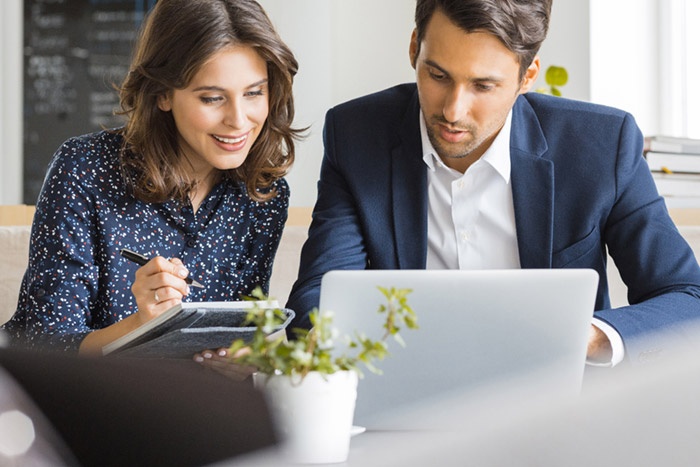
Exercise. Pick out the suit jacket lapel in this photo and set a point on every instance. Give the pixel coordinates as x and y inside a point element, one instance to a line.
<point>533,188</point>
<point>410,193</point>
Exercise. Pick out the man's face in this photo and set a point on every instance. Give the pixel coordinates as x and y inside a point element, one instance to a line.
<point>467,84</point>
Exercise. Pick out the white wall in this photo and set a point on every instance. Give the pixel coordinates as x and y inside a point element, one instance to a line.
<point>350,48</point>
<point>11,101</point>
<point>568,45</point>
<point>345,49</point>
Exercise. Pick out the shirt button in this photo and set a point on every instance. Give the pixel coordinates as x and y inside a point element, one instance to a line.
<point>40,293</point>
<point>191,242</point>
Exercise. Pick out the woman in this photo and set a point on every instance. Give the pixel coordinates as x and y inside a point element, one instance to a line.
<point>195,175</point>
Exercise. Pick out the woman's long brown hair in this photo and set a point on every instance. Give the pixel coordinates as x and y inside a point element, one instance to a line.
<point>177,38</point>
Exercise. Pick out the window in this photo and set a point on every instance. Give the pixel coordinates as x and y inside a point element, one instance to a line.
<point>679,62</point>
<point>645,58</point>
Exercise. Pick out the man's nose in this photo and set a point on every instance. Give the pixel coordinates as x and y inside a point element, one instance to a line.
<point>457,104</point>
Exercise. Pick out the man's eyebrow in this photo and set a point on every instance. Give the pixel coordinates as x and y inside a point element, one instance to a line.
<point>487,79</point>
<point>432,64</point>
<point>220,89</point>
<point>482,79</point>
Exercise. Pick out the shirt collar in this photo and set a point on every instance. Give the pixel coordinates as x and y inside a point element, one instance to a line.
<point>497,155</point>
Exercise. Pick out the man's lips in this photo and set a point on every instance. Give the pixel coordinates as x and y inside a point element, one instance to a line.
<point>452,135</point>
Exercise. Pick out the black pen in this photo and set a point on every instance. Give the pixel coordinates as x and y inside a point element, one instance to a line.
<point>141,260</point>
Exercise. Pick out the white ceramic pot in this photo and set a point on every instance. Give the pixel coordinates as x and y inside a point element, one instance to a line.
<point>314,415</point>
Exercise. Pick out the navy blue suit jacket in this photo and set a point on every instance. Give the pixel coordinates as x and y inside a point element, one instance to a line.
<point>580,185</point>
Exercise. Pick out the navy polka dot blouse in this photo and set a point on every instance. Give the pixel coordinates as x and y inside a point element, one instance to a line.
<point>77,282</point>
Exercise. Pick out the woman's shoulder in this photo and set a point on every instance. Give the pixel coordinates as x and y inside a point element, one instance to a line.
<point>103,140</point>
<point>91,147</point>
<point>281,189</point>
<point>92,158</point>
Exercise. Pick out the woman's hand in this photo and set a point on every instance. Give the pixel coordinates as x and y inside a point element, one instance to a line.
<point>159,285</point>
<point>222,362</point>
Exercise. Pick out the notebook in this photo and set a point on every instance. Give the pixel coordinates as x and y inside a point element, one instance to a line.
<point>476,328</point>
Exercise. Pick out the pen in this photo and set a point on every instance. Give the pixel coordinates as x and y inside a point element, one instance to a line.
<point>141,260</point>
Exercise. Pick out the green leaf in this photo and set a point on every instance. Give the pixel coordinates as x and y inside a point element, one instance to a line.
<point>556,76</point>
<point>311,350</point>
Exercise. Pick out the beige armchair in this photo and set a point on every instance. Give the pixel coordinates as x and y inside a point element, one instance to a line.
<point>14,245</point>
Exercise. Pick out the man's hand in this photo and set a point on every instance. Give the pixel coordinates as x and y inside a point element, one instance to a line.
<point>599,348</point>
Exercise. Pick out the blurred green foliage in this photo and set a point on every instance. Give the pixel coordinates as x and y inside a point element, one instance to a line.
<point>555,77</point>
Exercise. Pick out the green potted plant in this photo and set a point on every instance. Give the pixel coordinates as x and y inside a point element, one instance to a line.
<point>310,388</point>
<point>555,77</point>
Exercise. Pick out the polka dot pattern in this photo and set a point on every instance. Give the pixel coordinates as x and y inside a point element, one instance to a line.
<point>77,282</point>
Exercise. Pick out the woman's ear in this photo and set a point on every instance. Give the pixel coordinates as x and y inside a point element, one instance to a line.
<point>531,75</point>
<point>164,103</point>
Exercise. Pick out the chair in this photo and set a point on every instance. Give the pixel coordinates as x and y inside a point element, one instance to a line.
<point>16,214</point>
<point>15,222</point>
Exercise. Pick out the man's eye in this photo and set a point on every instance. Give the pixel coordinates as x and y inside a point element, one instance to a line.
<point>483,87</point>
<point>436,76</point>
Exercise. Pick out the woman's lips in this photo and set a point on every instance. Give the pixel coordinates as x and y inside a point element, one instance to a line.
<point>231,143</point>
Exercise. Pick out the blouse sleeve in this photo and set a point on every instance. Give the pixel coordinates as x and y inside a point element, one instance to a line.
<point>61,280</point>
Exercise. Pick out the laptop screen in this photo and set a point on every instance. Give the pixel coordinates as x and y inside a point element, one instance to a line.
<point>475,328</point>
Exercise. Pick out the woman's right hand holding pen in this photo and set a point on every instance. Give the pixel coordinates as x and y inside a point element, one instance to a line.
<point>159,285</point>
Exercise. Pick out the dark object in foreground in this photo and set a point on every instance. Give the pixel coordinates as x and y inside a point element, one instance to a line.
<point>118,411</point>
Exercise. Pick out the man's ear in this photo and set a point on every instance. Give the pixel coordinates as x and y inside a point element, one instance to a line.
<point>413,49</point>
<point>531,75</point>
<point>164,103</point>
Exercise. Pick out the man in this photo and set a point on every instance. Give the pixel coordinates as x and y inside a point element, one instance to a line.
<point>466,169</point>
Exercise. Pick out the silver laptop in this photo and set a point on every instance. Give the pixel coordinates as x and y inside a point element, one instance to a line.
<point>476,328</point>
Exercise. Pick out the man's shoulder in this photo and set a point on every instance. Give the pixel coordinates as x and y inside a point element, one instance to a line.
<point>388,100</point>
<point>544,104</point>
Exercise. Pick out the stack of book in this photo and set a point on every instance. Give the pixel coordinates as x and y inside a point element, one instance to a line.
<point>675,165</point>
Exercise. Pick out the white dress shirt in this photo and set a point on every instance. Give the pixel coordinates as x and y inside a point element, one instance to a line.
<point>471,221</point>
<point>471,224</point>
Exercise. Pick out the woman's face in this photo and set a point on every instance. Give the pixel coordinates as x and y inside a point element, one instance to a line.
<point>220,114</point>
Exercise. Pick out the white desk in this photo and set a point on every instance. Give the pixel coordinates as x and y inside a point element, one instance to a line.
<point>648,416</point>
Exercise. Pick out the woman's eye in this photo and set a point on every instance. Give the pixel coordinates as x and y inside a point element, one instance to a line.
<point>256,93</point>
<point>210,100</point>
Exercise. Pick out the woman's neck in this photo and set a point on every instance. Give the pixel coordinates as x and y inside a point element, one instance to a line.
<point>203,188</point>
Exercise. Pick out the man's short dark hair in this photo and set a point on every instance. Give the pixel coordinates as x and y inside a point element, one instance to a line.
<point>521,25</point>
